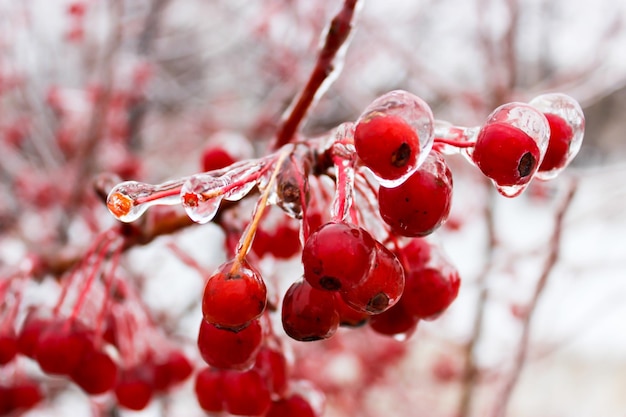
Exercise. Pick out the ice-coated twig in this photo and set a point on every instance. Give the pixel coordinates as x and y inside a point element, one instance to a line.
<point>325,71</point>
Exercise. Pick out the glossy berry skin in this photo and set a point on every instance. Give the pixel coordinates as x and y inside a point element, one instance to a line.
<point>245,393</point>
<point>309,314</point>
<point>419,205</point>
<point>234,295</point>
<point>506,154</point>
<point>387,145</point>
<point>294,406</point>
<point>395,322</point>
<point>382,286</point>
<point>337,256</point>
<point>96,372</point>
<point>209,388</point>
<point>430,291</point>
<point>226,349</point>
<point>23,396</point>
<point>414,255</point>
<point>561,135</point>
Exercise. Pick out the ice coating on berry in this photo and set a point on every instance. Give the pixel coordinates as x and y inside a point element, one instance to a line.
<point>422,203</point>
<point>510,146</point>
<point>393,135</point>
<point>567,127</point>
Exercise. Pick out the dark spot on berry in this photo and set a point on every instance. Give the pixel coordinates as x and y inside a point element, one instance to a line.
<point>355,233</point>
<point>330,283</point>
<point>401,156</point>
<point>526,165</point>
<point>378,303</point>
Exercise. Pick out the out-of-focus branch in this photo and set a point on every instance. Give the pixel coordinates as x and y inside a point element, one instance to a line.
<point>337,35</point>
<point>470,373</point>
<point>502,400</point>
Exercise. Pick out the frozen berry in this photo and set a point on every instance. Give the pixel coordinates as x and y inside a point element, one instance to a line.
<point>561,135</point>
<point>209,388</point>
<point>61,347</point>
<point>337,256</point>
<point>506,154</point>
<point>382,286</point>
<point>134,387</point>
<point>293,406</point>
<point>429,291</point>
<point>245,393</point>
<point>8,346</point>
<point>234,295</point>
<point>309,314</point>
<point>216,158</point>
<point>96,372</point>
<point>396,321</point>
<point>418,206</point>
<point>387,145</point>
<point>227,349</point>
<point>272,365</point>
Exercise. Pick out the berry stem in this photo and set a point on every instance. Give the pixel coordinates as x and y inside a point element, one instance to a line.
<point>108,286</point>
<point>344,188</point>
<point>455,143</point>
<point>337,35</point>
<point>248,235</point>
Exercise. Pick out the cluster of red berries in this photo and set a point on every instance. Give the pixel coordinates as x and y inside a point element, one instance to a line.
<point>365,261</point>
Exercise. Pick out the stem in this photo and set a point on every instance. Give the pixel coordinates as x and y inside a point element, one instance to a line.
<point>455,143</point>
<point>470,373</point>
<point>338,31</point>
<point>522,351</point>
<point>248,237</point>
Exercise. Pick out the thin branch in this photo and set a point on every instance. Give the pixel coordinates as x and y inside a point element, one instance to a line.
<point>470,373</point>
<point>522,351</point>
<point>337,35</point>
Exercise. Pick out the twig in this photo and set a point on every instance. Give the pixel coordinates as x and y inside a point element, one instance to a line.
<point>338,32</point>
<point>522,351</point>
<point>470,373</point>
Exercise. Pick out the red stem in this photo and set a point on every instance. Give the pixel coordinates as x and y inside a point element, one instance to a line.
<point>337,34</point>
<point>455,143</point>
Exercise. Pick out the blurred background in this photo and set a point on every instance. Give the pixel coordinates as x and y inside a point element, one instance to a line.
<point>139,88</point>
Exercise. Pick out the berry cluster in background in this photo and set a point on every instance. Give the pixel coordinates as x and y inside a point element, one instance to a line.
<point>325,217</point>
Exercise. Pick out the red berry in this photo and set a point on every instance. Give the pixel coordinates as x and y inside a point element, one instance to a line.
<point>171,370</point>
<point>25,395</point>
<point>414,255</point>
<point>395,322</point>
<point>337,256</point>
<point>348,316</point>
<point>209,388</point>
<point>227,349</point>
<point>272,365</point>
<point>419,205</point>
<point>294,406</point>
<point>561,135</point>
<point>29,335</point>
<point>245,393</point>
<point>216,158</point>
<point>387,145</point>
<point>96,372</point>
<point>506,154</point>
<point>134,387</point>
<point>234,295</point>
<point>61,347</point>
<point>8,346</point>
<point>309,314</point>
<point>429,291</point>
<point>382,286</point>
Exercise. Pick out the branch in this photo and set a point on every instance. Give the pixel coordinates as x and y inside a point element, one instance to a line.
<point>337,35</point>
<point>522,351</point>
